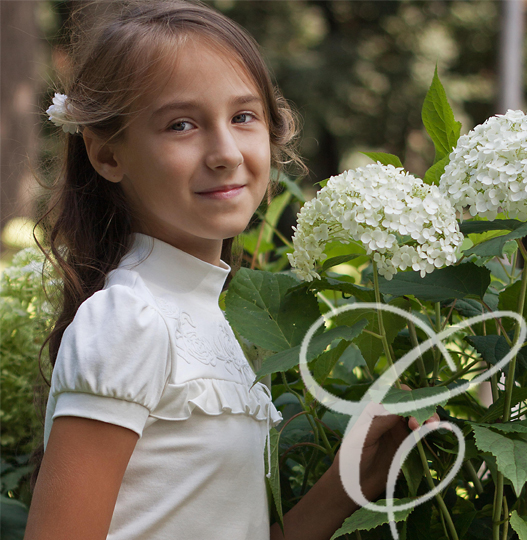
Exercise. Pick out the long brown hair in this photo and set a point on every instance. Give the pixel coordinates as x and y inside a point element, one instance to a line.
<point>114,66</point>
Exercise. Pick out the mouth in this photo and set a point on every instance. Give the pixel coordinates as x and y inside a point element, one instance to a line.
<point>223,192</point>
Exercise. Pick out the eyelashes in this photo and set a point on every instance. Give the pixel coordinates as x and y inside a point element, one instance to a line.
<point>182,126</point>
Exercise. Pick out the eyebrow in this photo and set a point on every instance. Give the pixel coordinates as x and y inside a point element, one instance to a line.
<point>178,105</point>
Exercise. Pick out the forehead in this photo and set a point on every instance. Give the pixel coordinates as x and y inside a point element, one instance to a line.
<point>197,66</point>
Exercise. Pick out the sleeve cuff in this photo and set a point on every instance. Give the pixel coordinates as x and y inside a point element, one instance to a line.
<point>122,413</point>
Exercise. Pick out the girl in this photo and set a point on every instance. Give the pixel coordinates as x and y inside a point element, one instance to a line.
<point>152,429</point>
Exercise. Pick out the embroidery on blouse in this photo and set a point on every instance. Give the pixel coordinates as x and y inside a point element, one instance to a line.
<point>219,347</point>
<point>209,350</point>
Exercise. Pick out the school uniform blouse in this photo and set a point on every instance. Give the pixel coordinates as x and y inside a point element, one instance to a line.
<point>153,352</point>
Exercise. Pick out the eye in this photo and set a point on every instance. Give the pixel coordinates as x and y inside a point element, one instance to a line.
<point>242,118</point>
<point>182,125</point>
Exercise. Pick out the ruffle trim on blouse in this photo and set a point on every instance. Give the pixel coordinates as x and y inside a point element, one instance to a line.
<point>214,397</point>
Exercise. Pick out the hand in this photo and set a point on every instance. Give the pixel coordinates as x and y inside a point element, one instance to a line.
<point>372,443</point>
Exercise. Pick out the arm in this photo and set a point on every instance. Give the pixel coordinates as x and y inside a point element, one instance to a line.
<point>326,505</point>
<point>79,480</point>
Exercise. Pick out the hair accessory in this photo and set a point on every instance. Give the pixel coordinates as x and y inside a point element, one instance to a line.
<point>58,113</point>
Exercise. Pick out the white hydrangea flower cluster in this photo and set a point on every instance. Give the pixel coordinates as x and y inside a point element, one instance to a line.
<point>487,171</point>
<point>59,114</point>
<point>379,206</point>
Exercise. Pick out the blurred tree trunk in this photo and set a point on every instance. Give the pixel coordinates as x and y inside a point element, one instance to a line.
<point>19,112</point>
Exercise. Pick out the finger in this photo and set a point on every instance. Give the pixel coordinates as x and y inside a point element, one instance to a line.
<point>433,419</point>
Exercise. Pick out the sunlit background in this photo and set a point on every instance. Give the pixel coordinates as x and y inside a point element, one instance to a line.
<point>357,72</point>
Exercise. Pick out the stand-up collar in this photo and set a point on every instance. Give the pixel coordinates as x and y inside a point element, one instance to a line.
<point>175,270</point>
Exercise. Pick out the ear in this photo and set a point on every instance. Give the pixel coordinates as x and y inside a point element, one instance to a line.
<point>102,156</point>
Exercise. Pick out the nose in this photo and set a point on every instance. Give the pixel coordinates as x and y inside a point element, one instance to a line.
<point>223,152</point>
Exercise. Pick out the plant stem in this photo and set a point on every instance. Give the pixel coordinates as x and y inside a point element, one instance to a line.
<point>382,331</point>
<point>320,428</point>
<point>459,373</point>
<point>474,476</point>
<point>513,267</point>
<point>506,522</point>
<point>437,352</point>
<point>420,362</point>
<point>438,498</point>
<point>509,385</point>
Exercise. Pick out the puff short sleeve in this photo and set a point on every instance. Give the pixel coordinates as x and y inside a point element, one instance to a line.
<point>113,361</point>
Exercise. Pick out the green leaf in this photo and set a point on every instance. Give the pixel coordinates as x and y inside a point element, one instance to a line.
<point>442,284</point>
<point>384,159</point>
<point>433,174</point>
<point>480,226</point>
<point>439,120</point>
<point>419,521</point>
<point>13,518</point>
<point>463,515</point>
<point>510,453</point>
<point>250,241</point>
<point>325,363</point>
<point>407,396</point>
<point>274,480</point>
<point>508,301</point>
<point>506,427</point>
<point>364,519</point>
<point>290,358</point>
<point>335,261</point>
<point>519,524</point>
<point>273,213</point>
<point>493,348</point>
<point>495,246</point>
<point>413,471</point>
<point>259,307</point>
<point>495,411</point>
<point>370,346</point>
<point>291,186</point>
<point>363,294</point>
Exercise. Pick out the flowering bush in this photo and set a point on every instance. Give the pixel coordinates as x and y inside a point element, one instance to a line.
<point>404,222</point>
<point>488,168</point>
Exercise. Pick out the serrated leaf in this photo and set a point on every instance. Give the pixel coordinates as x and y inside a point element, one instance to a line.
<point>442,284</point>
<point>519,524</point>
<point>495,246</point>
<point>364,519</point>
<point>510,453</point>
<point>274,480</point>
<point>259,306</point>
<point>495,411</point>
<point>506,427</point>
<point>384,159</point>
<point>494,348</point>
<point>439,120</point>
<point>480,226</point>
<point>290,358</point>
<point>433,174</point>
<point>421,414</point>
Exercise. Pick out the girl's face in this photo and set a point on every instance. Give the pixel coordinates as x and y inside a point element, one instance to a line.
<point>195,163</point>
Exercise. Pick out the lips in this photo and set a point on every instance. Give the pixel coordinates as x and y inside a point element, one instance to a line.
<point>220,189</point>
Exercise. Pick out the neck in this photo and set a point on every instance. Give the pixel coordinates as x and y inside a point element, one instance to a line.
<point>208,250</point>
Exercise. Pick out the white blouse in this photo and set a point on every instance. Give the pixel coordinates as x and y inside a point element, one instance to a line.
<point>153,352</point>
